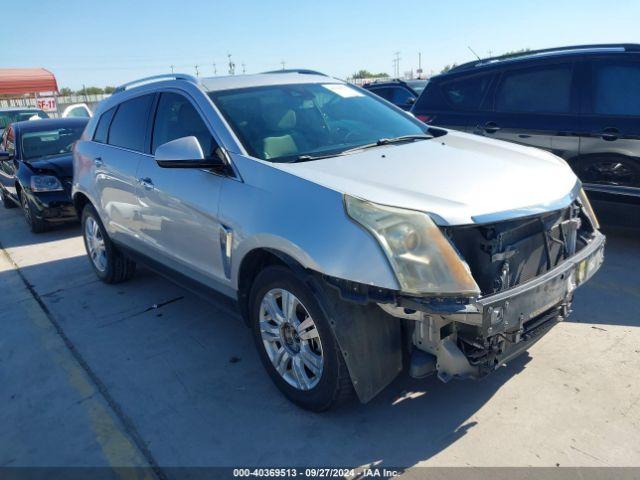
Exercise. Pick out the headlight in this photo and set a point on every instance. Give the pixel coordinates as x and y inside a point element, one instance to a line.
<point>588,209</point>
<point>45,183</point>
<point>422,258</point>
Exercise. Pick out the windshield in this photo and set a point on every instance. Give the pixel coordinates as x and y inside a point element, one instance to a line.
<point>19,115</point>
<point>285,122</point>
<point>50,142</point>
<point>417,85</point>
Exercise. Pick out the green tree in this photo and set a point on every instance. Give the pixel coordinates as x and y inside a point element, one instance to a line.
<point>65,91</point>
<point>90,91</point>
<point>514,52</point>
<point>448,67</point>
<point>368,74</point>
<point>109,89</point>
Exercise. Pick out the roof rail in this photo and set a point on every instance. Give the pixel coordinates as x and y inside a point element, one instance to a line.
<point>156,78</point>
<point>303,71</point>
<point>627,47</point>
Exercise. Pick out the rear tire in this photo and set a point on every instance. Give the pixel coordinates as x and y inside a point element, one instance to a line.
<point>109,263</point>
<point>6,201</point>
<point>35,224</point>
<point>299,349</point>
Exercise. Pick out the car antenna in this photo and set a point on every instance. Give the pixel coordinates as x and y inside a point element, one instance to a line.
<point>474,52</point>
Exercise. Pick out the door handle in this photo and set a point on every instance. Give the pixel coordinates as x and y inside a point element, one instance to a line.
<point>98,161</point>
<point>146,183</point>
<point>610,134</point>
<point>489,127</point>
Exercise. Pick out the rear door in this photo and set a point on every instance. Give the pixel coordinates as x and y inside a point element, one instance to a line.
<point>536,106</point>
<point>609,159</point>
<point>120,144</point>
<point>179,207</point>
<point>459,102</point>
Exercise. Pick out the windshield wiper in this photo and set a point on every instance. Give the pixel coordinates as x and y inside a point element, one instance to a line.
<point>377,143</point>
<point>306,158</point>
<point>389,141</point>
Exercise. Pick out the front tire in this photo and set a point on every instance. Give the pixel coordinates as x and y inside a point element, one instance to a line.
<point>109,263</point>
<point>295,342</point>
<point>35,224</point>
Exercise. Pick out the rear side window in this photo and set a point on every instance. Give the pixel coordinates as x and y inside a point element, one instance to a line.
<point>466,93</point>
<point>616,89</point>
<point>539,90</point>
<point>129,124</point>
<point>401,96</point>
<point>384,92</point>
<point>102,129</point>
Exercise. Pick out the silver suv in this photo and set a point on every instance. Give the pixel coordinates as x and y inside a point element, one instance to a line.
<point>356,240</point>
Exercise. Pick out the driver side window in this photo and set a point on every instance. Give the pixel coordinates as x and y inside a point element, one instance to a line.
<point>175,118</point>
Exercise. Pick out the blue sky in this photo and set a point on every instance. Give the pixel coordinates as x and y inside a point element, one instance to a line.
<point>83,43</point>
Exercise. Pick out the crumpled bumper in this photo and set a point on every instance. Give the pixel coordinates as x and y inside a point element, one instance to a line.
<point>470,340</point>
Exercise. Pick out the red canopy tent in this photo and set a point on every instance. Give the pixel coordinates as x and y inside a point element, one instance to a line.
<point>26,80</point>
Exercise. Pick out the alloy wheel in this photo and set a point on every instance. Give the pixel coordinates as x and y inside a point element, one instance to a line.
<point>95,244</point>
<point>291,339</point>
<point>25,208</point>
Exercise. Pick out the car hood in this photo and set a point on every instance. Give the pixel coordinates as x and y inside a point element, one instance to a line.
<point>457,178</point>
<point>61,165</point>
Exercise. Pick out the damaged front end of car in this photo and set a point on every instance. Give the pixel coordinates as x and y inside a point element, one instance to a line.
<point>516,279</point>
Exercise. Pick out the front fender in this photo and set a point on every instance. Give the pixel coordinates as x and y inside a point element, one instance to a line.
<point>279,211</point>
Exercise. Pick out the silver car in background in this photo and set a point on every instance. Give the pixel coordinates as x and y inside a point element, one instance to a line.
<point>356,240</point>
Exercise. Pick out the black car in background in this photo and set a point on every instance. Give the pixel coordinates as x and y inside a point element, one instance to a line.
<point>36,169</point>
<point>581,103</point>
<point>18,114</point>
<point>402,93</point>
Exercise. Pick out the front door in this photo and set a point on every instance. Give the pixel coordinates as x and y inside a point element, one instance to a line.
<point>8,167</point>
<point>179,207</point>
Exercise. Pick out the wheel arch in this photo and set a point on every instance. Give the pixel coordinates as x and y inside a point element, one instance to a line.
<point>252,263</point>
<point>80,200</point>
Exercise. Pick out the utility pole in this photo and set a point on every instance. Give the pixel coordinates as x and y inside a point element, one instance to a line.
<point>244,70</point>
<point>197,71</point>
<point>282,63</point>
<point>172,68</point>
<point>215,70</point>
<point>419,71</point>
<point>232,66</point>
<point>396,63</point>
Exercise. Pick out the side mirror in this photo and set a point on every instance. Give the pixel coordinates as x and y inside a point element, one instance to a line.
<point>411,100</point>
<point>184,152</point>
<point>5,156</point>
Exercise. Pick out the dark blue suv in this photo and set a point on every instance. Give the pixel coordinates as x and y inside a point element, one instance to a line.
<point>402,93</point>
<point>582,103</point>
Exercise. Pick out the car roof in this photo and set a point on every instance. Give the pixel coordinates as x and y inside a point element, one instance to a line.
<point>19,109</point>
<point>384,83</point>
<point>541,55</point>
<point>231,82</point>
<point>44,123</point>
